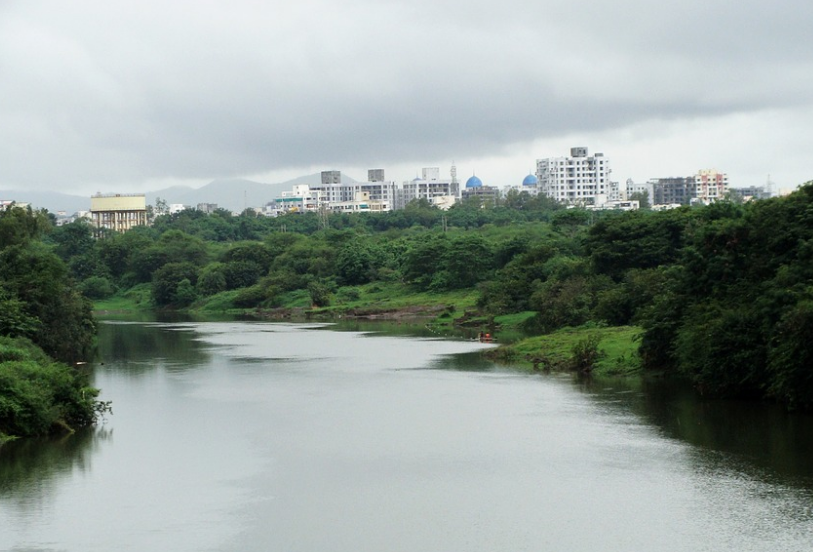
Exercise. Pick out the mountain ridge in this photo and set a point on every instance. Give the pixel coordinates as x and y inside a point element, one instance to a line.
<point>234,194</point>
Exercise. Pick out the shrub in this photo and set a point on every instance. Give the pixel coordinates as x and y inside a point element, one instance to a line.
<point>585,353</point>
<point>250,297</point>
<point>97,287</point>
<point>37,395</point>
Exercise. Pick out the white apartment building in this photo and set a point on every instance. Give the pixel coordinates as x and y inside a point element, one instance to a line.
<point>362,203</point>
<point>647,188</point>
<point>431,187</point>
<point>580,179</point>
<point>377,190</point>
<point>299,200</point>
<point>377,195</point>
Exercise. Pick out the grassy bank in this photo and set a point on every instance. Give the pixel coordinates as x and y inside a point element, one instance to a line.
<point>137,298</point>
<point>616,350</point>
<point>375,300</point>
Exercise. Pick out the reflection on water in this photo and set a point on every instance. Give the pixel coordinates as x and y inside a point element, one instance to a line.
<point>757,436</point>
<point>139,346</point>
<point>372,436</point>
<point>31,468</point>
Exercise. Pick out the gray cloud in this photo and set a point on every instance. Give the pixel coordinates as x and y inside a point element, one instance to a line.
<point>109,93</point>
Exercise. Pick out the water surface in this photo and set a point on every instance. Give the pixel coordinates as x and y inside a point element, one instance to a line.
<point>256,436</point>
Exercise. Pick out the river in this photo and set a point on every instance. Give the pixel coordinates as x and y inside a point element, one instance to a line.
<point>283,437</point>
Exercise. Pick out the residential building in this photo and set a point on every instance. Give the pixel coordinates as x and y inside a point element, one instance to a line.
<point>710,185</point>
<point>175,208</point>
<point>362,203</point>
<point>299,200</point>
<point>429,186</point>
<point>672,190</point>
<point>7,203</point>
<point>620,205</point>
<point>334,191</point>
<point>751,192</point>
<point>119,212</point>
<point>579,179</point>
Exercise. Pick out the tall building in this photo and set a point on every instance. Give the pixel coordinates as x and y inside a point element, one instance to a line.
<point>119,212</point>
<point>710,185</point>
<point>578,179</point>
<point>672,190</point>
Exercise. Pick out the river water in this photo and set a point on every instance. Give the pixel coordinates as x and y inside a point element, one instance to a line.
<point>280,437</point>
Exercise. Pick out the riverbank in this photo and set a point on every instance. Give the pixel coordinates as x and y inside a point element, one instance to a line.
<point>39,397</point>
<point>601,351</point>
<point>609,351</point>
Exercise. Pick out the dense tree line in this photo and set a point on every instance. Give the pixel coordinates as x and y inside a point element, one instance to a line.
<point>43,316</point>
<point>722,293</point>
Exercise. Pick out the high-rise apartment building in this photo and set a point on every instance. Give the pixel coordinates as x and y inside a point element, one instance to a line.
<point>578,179</point>
<point>710,185</point>
<point>673,190</point>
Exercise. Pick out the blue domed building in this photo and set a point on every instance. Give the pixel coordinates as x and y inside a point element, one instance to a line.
<point>474,182</point>
<point>530,180</point>
<point>476,188</point>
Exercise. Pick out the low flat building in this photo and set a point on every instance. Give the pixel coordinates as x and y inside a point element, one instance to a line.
<point>302,199</point>
<point>362,203</point>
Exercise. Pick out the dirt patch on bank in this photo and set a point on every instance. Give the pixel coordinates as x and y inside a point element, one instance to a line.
<point>370,313</point>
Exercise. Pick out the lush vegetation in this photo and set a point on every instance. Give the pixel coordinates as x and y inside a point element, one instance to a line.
<point>43,316</point>
<point>39,396</point>
<point>720,295</point>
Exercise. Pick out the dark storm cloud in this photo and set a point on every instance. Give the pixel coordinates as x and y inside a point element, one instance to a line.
<point>117,92</point>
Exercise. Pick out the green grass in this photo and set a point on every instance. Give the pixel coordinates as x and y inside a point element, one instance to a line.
<point>618,347</point>
<point>136,298</point>
<point>380,297</point>
<point>514,320</point>
<point>221,302</point>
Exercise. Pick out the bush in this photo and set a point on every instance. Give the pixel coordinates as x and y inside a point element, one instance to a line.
<point>97,287</point>
<point>319,293</point>
<point>250,297</point>
<point>585,353</point>
<point>39,396</point>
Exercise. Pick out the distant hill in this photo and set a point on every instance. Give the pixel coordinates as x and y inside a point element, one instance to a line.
<point>53,201</point>
<point>234,195</point>
<point>231,194</point>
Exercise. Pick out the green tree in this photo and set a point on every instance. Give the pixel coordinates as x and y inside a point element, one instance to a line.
<point>423,260</point>
<point>39,279</point>
<point>20,225</point>
<point>468,260</point>
<point>354,264</point>
<point>168,278</point>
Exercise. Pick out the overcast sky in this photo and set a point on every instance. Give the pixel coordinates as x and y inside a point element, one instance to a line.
<point>118,96</point>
